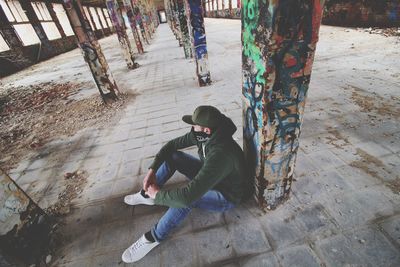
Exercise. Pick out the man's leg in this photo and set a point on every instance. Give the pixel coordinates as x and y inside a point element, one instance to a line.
<point>181,162</point>
<point>212,201</point>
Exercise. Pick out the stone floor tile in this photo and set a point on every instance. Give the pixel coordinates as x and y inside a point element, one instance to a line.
<point>298,256</point>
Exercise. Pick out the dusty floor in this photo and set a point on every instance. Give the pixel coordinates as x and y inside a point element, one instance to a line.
<point>345,206</point>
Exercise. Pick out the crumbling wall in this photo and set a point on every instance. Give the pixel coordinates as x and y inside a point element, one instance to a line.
<point>362,13</point>
<point>25,229</point>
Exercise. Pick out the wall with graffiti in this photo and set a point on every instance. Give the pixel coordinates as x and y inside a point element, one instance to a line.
<point>362,13</point>
<point>278,45</point>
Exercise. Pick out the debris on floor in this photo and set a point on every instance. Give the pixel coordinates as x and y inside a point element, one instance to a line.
<point>31,116</point>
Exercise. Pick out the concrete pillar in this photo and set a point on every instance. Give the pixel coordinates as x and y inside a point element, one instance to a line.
<point>91,50</point>
<point>278,44</point>
<point>230,9</point>
<point>199,41</point>
<point>183,22</point>
<point>119,25</point>
<point>139,20</point>
<point>25,229</point>
<point>132,21</point>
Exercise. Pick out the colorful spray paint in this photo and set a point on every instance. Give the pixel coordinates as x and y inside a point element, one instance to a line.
<point>278,44</point>
<point>91,49</point>
<point>119,25</point>
<point>132,22</point>
<point>199,41</point>
<point>183,22</point>
<point>139,20</point>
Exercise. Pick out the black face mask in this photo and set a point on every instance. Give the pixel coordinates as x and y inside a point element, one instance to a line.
<point>201,136</point>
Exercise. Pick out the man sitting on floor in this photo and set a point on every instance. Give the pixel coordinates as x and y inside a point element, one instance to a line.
<point>218,180</point>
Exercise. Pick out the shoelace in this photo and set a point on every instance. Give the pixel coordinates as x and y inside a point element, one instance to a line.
<point>137,245</point>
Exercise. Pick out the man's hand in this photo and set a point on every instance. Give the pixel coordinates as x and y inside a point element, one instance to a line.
<point>152,191</point>
<point>150,179</point>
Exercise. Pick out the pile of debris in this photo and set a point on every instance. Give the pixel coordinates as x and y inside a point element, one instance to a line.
<point>394,31</point>
<point>74,184</point>
<point>31,116</point>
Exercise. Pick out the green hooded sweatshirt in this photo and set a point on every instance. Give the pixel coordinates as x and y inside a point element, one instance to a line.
<point>223,168</point>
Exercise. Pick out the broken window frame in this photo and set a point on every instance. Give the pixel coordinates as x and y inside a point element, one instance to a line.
<point>62,17</point>
<point>19,22</point>
<point>101,17</point>
<point>45,19</point>
<point>87,14</point>
<point>107,17</point>
<point>95,17</point>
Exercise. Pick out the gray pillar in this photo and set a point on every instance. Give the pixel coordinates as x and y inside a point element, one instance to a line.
<point>199,41</point>
<point>119,25</point>
<point>278,44</point>
<point>91,49</point>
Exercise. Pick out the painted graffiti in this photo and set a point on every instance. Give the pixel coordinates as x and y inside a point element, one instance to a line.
<point>187,47</point>
<point>91,50</point>
<point>132,21</point>
<point>119,25</point>
<point>278,45</point>
<point>199,41</point>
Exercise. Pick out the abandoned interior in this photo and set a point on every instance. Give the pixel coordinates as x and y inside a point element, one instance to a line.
<point>91,90</point>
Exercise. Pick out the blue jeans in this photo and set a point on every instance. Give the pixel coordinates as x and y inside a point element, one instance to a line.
<point>189,166</point>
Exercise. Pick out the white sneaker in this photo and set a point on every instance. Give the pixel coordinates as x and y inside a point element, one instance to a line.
<point>137,199</point>
<point>138,250</point>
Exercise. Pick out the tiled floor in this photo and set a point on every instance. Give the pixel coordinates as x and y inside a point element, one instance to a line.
<point>342,210</point>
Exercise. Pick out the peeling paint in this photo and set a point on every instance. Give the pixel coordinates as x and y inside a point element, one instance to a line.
<point>91,50</point>
<point>278,44</point>
<point>119,26</point>
<point>199,42</point>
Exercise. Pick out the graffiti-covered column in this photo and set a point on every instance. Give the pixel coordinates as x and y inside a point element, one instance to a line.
<point>132,21</point>
<point>139,20</point>
<point>92,53</point>
<point>199,41</point>
<point>183,22</point>
<point>119,25</point>
<point>278,45</point>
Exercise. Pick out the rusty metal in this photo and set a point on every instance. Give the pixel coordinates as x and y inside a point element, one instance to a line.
<point>91,50</point>
<point>278,44</point>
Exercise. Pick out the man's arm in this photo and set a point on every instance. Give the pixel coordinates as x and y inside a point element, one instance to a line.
<point>183,141</point>
<point>213,171</point>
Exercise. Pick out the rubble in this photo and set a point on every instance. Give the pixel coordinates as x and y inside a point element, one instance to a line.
<point>31,116</point>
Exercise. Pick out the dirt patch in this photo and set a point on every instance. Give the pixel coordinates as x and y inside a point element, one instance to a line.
<point>74,184</point>
<point>337,139</point>
<point>374,103</point>
<point>375,167</point>
<point>31,116</point>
